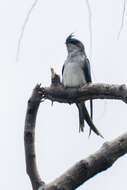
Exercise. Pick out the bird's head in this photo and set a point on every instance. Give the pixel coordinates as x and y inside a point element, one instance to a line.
<point>73,44</point>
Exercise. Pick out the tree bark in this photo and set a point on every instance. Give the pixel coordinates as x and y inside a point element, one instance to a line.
<point>89,167</point>
<point>29,138</point>
<point>86,92</point>
<point>86,168</point>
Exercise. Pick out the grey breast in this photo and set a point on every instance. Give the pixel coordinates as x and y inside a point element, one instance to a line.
<point>73,74</point>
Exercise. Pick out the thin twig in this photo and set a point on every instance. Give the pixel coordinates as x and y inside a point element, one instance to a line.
<point>90,33</point>
<point>23,29</point>
<point>123,18</point>
<point>90,27</point>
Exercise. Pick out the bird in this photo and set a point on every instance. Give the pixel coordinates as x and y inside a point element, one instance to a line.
<point>55,79</point>
<point>76,72</point>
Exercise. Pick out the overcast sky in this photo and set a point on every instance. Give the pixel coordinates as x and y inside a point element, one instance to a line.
<point>58,143</point>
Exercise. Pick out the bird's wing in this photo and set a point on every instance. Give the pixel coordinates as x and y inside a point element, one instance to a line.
<point>63,68</point>
<point>87,72</point>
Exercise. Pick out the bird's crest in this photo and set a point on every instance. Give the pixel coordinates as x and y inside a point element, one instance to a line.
<point>71,40</point>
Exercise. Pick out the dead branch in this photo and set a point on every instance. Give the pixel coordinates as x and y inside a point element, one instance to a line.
<point>86,168</point>
<point>89,167</point>
<point>87,92</point>
<point>29,138</point>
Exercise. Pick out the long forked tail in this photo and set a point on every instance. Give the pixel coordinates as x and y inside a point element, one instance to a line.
<point>83,114</point>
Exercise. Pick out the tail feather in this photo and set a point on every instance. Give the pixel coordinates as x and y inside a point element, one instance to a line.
<point>91,114</point>
<point>81,118</point>
<point>90,122</point>
<point>84,115</point>
<point>91,109</point>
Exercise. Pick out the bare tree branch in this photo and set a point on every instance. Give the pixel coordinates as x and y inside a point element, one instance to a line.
<point>87,92</point>
<point>86,168</point>
<point>29,138</point>
<point>89,167</point>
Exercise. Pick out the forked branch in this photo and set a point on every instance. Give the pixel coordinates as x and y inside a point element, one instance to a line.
<point>86,168</point>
